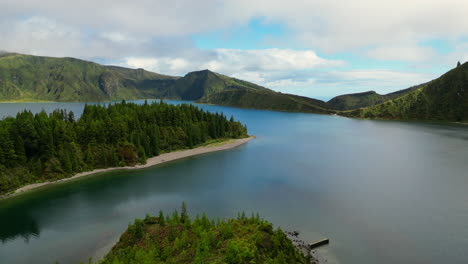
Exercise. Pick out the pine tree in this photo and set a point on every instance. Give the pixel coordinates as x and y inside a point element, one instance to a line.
<point>458,64</point>
<point>161,219</point>
<point>114,135</point>
<point>183,213</point>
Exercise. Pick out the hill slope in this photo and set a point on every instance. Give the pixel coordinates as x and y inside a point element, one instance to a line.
<point>365,99</point>
<point>32,78</point>
<point>445,98</point>
<point>198,84</point>
<point>29,78</point>
<point>213,88</point>
<point>268,100</point>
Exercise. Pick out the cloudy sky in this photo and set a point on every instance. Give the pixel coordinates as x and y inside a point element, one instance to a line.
<point>317,48</point>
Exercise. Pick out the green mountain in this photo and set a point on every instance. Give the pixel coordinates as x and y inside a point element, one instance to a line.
<point>31,78</point>
<point>445,98</point>
<point>365,99</point>
<point>266,99</point>
<point>214,88</point>
<point>199,84</point>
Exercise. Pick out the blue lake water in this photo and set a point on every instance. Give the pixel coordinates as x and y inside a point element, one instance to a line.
<point>382,191</point>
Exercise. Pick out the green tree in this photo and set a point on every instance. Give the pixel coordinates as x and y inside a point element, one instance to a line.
<point>183,213</point>
<point>53,146</point>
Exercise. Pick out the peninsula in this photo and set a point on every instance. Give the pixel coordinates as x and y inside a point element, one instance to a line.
<point>40,149</point>
<point>150,162</point>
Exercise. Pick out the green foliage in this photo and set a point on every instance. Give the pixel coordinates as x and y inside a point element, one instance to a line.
<point>30,78</point>
<point>249,240</point>
<point>240,251</point>
<point>41,147</point>
<point>359,100</point>
<point>266,99</point>
<point>161,220</point>
<point>445,99</point>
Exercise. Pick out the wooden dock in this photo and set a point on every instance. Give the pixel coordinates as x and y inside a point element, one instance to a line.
<point>319,243</point>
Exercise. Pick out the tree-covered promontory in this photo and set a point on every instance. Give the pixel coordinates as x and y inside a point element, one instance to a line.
<point>177,238</point>
<point>44,147</point>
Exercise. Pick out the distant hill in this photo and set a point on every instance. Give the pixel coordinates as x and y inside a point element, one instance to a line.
<point>36,78</point>
<point>32,78</point>
<point>365,99</point>
<point>266,99</point>
<point>199,84</point>
<point>445,98</point>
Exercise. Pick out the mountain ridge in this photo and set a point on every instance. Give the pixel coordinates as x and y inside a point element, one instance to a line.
<point>39,78</point>
<point>364,99</point>
<point>31,78</point>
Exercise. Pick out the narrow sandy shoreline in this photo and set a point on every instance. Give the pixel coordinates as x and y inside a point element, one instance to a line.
<point>166,157</point>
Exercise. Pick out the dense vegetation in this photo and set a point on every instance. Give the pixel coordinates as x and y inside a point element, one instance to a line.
<point>32,78</point>
<point>365,99</point>
<point>445,99</point>
<point>178,239</point>
<point>200,84</point>
<point>41,147</point>
<point>267,99</point>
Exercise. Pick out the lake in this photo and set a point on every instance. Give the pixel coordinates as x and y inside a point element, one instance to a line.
<point>382,191</point>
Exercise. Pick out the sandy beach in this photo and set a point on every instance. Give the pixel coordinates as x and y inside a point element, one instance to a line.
<point>166,157</point>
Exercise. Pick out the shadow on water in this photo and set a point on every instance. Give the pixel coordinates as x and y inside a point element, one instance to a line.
<point>19,214</point>
<point>18,224</point>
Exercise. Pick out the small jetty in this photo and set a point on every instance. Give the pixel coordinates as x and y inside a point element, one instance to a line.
<point>319,243</point>
<point>306,248</point>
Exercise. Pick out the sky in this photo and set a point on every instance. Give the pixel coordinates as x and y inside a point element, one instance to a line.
<point>315,48</point>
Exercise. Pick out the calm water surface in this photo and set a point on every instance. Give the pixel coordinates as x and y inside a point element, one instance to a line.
<point>383,192</point>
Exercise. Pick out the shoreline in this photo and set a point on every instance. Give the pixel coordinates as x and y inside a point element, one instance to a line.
<point>150,162</point>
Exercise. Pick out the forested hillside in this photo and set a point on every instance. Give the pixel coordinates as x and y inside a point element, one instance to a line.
<point>365,99</point>
<point>268,100</point>
<point>42,147</point>
<point>177,238</point>
<point>36,78</point>
<point>444,99</point>
<point>33,78</point>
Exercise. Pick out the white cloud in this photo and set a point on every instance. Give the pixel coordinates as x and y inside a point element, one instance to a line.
<point>175,66</point>
<point>409,53</point>
<point>343,25</point>
<point>325,85</point>
<point>233,61</point>
<point>158,18</point>
<point>156,35</point>
<point>289,71</point>
<point>328,25</point>
<point>37,35</point>
<point>115,36</point>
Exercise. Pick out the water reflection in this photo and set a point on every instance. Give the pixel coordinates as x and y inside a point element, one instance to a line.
<point>18,223</point>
